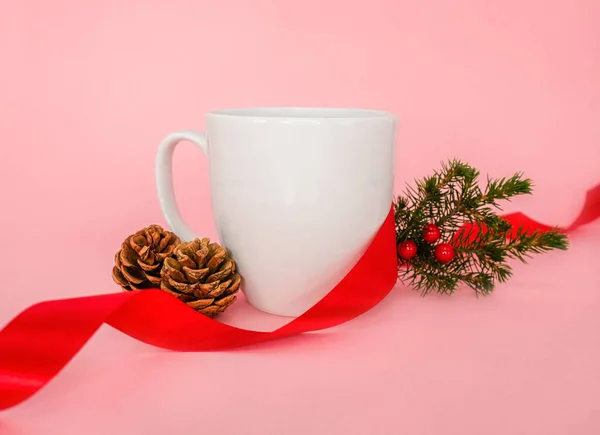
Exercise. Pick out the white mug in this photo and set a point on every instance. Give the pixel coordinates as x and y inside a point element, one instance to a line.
<point>297,195</point>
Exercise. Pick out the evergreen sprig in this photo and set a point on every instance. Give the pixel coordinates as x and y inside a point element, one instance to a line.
<point>453,199</point>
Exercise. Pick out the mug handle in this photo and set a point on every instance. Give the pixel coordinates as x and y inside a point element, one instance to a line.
<point>164,179</point>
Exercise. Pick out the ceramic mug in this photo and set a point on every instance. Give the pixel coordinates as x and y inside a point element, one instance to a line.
<point>297,195</point>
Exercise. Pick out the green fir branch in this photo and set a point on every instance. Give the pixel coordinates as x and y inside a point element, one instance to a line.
<point>466,215</point>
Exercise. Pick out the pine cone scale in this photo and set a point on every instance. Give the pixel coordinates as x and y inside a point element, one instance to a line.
<point>200,303</point>
<point>118,277</point>
<point>128,257</point>
<point>143,251</point>
<point>148,267</point>
<point>155,236</point>
<point>179,286</point>
<point>201,255</point>
<point>172,269</point>
<point>139,242</point>
<point>154,280</point>
<point>220,289</point>
<point>181,296</point>
<point>204,290</point>
<point>212,310</point>
<point>133,276</point>
<point>216,260</point>
<point>194,275</point>
<point>225,271</point>
<point>163,243</point>
<point>236,281</point>
<point>227,300</point>
<point>186,261</point>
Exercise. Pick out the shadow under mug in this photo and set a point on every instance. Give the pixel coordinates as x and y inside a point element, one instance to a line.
<point>297,195</point>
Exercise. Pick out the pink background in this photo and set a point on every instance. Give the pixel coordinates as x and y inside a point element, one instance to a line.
<point>88,89</point>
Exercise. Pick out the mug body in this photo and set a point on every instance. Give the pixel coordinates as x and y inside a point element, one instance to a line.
<point>297,195</point>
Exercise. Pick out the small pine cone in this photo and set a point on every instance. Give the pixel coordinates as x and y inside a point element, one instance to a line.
<point>203,275</point>
<point>140,259</point>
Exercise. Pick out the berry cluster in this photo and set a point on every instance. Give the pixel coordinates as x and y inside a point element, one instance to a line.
<point>444,252</point>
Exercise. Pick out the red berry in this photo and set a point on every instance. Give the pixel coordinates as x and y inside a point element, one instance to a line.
<point>407,249</point>
<point>444,253</point>
<point>431,233</point>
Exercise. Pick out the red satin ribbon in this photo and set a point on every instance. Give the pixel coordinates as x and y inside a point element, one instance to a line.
<point>41,340</point>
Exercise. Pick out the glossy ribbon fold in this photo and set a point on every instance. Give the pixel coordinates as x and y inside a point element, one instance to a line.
<point>42,339</point>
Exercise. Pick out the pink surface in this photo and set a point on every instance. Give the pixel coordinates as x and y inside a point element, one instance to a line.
<point>87,91</point>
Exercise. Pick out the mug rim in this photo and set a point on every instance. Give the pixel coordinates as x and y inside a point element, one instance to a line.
<point>302,112</point>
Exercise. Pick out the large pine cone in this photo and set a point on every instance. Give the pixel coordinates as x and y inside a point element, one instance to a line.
<point>139,261</point>
<point>203,275</point>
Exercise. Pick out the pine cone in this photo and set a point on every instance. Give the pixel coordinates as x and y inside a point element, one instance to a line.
<point>140,259</point>
<point>203,275</point>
